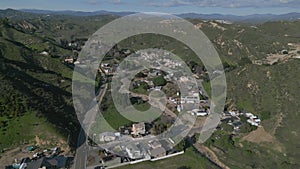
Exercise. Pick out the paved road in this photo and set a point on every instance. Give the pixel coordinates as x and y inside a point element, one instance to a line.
<point>82,145</point>
<point>81,152</point>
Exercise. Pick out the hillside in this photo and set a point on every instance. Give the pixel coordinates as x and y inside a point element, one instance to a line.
<point>35,89</point>
<point>37,97</point>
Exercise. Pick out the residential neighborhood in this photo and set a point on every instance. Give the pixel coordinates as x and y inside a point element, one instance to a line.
<point>42,159</point>
<point>93,84</point>
<point>137,142</point>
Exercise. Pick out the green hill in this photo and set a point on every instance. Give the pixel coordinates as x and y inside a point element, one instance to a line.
<point>36,89</point>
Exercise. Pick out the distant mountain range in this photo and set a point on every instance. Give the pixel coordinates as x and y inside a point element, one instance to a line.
<point>255,18</point>
<point>76,13</point>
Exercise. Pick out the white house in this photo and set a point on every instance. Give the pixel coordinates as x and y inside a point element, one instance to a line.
<point>44,53</point>
<point>197,112</point>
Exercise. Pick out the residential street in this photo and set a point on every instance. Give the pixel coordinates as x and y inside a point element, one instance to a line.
<point>82,150</point>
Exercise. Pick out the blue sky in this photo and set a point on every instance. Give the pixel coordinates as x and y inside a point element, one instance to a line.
<point>237,7</point>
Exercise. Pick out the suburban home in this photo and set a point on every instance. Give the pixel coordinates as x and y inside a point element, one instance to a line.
<point>57,162</point>
<point>236,125</point>
<point>138,129</point>
<point>157,152</point>
<point>199,112</point>
<point>107,137</point>
<point>69,60</point>
<point>44,53</point>
<point>190,99</point>
<point>133,151</point>
<point>154,144</point>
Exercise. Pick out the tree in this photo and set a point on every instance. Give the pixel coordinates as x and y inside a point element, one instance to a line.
<point>159,81</point>
<point>5,22</point>
<point>140,75</point>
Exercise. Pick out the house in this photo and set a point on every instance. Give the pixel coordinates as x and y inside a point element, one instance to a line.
<point>44,53</point>
<point>69,60</point>
<point>232,113</point>
<point>172,100</point>
<point>58,162</point>
<point>108,68</point>
<point>252,119</point>
<point>157,152</point>
<point>179,107</point>
<point>191,99</point>
<point>154,144</point>
<point>198,112</point>
<point>36,164</point>
<point>125,51</point>
<point>124,130</point>
<point>236,125</point>
<point>253,123</point>
<point>138,129</point>
<point>76,62</point>
<point>107,137</point>
<point>133,151</point>
<point>284,52</point>
<point>257,120</point>
<point>154,73</point>
<point>157,88</point>
<point>248,114</point>
<point>226,115</point>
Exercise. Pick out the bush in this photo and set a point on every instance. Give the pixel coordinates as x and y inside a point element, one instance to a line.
<point>246,128</point>
<point>159,81</point>
<point>265,115</point>
<point>245,61</point>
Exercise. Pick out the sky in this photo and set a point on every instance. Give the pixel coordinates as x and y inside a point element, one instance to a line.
<point>236,7</point>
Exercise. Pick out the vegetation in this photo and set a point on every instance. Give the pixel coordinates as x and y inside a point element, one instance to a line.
<point>36,89</point>
<point>141,88</point>
<point>159,81</point>
<point>111,114</point>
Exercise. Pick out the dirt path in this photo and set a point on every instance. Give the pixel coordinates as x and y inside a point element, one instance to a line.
<point>279,118</point>
<point>210,155</point>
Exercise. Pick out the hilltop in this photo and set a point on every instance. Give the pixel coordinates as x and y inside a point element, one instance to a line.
<point>250,19</point>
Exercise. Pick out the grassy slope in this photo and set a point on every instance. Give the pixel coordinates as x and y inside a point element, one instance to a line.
<point>32,94</point>
<point>276,94</point>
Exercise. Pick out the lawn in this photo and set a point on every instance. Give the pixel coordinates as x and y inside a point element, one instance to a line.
<point>142,107</point>
<point>207,87</point>
<point>111,114</point>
